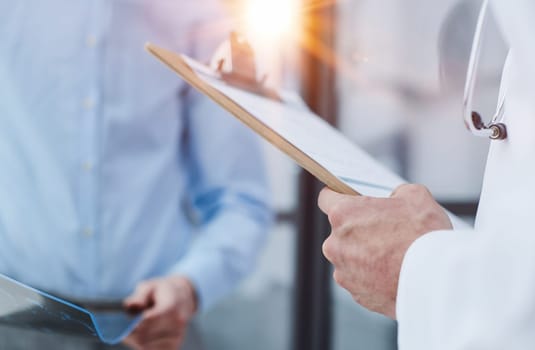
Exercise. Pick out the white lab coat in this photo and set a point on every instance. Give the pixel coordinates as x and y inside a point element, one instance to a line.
<point>475,289</point>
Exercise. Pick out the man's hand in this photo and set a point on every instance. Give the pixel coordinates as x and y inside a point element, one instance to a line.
<point>168,305</point>
<point>370,237</point>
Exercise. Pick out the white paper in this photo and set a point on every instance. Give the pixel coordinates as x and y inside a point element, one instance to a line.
<point>312,135</point>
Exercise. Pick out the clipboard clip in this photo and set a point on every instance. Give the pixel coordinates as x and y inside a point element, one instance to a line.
<point>238,68</point>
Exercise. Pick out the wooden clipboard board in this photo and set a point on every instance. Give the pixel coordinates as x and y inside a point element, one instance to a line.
<point>179,65</point>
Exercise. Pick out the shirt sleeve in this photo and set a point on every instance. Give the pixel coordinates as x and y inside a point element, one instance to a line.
<point>465,290</point>
<point>229,193</point>
<point>228,188</point>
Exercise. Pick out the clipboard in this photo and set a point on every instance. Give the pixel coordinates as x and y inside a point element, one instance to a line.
<point>287,124</point>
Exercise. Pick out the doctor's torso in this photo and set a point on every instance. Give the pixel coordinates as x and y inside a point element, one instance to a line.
<point>471,289</point>
<point>507,202</point>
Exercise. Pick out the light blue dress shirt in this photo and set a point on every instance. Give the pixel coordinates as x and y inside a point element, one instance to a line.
<point>103,150</point>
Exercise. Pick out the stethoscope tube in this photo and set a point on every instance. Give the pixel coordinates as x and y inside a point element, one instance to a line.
<point>495,130</point>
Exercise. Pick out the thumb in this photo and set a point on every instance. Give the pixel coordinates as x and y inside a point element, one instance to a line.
<point>329,199</point>
<point>411,191</point>
<point>142,298</point>
<point>163,301</point>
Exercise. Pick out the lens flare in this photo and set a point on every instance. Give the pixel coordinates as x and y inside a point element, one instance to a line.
<point>271,19</point>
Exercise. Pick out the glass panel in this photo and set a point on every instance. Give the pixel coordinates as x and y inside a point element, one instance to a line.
<point>24,307</point>
<point>260,314</point>
<point>357,328</point>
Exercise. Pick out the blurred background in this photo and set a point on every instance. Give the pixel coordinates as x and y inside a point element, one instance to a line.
<point>390,75</point>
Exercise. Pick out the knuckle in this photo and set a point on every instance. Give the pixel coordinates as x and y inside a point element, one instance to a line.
<point>338,215</point>
<point>424,193</point>
<point>337,277</point>
<point>403,188</point>
<point>365,201</point>
<point>418,195</point>
<point>329,249</point>
<point>435,218</point>
<point>143,286</point>
<point>430,216</point>
<point>357,298</point>
<point>414,188</point>
<point>178,319</point>
<point>321,197</point>
<point>410,189</point>
<point>335,216</point>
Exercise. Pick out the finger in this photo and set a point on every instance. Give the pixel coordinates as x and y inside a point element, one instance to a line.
<point>132,342</point>
<point>350,281</point>
<point>336,251</point>
<point>164,301</point>
<point>138,341</point>
<point>410,190</point>
<point>331,249</point>
<point>328,199</point>
<point>166,326</point>
<point>172,343</point>
<point>141,298</point>
<point>163,317</point>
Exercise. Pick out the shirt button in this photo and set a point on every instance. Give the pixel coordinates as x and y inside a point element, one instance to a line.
<point>91,41</point>
<point>88,232</point>
<point>89,103</point>
<point>88,166</point>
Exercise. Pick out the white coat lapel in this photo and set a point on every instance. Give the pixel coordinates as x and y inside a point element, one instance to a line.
<point>510,174</point>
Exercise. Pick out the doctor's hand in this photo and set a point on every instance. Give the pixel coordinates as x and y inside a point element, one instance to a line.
<point>370,237</point>
<point>168,304</point>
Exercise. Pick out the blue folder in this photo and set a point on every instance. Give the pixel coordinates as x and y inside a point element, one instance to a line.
<point>25,307</point>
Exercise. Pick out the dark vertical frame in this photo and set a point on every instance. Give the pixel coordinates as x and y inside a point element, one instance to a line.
<point>313,301</point>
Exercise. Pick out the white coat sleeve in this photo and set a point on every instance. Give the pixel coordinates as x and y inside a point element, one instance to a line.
<point>468,290</point>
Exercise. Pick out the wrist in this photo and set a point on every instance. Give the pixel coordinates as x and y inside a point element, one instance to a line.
<point>185,288</point>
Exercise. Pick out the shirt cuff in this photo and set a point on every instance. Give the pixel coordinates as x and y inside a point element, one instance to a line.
<point>223,254</point>
<point>210,281</point>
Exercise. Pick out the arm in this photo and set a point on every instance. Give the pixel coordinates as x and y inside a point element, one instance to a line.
<point>228,190</point>
<point>228,187</point>
<point>370,237</point>
<point>468,290</point>
<point>229,193</point>
<point>454,290</point>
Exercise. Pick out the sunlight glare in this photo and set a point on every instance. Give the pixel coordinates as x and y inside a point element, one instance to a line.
<point>271,19</point>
